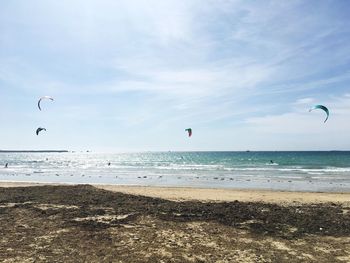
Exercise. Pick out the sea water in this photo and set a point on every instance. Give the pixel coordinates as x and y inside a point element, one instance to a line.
<point>292,171</point>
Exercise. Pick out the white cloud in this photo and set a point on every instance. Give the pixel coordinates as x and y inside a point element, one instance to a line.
<point>307,101</point>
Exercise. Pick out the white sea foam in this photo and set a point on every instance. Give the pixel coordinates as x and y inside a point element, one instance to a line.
<point>194,169</point>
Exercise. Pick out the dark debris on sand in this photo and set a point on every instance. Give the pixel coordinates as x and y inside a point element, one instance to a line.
<point>86,224</point>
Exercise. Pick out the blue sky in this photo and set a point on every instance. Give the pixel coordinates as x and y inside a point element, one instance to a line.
<point>132,75</point>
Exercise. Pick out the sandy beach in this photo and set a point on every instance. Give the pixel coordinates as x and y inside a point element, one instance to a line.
<point>85,223</point>
<point>214,195</point>
<point>229,195</point>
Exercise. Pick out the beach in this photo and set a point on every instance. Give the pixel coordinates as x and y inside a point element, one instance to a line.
<point>175,131</point>
<point>109,223</point>
<point>230,195</point>
<point>214,194</point>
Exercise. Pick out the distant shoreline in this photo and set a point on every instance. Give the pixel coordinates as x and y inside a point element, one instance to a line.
<point>179,151</point>
<point>33,151</point>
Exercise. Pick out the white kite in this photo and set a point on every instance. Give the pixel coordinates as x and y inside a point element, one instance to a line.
<point>44,98</point>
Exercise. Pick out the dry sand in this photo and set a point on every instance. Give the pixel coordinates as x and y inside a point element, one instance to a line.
<point>214,195</point>
<point>229,195</point>
<point>83,223</point>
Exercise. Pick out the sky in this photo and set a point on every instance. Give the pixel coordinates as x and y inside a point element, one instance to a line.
<point>132,75</point>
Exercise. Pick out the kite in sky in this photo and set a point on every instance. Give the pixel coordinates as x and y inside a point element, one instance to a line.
<point>43,98</point>
<point>189,130</point>
<point>39,130</point>
<point>321,107</point>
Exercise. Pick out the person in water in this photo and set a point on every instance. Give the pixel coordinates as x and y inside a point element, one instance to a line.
<point>271,162</point>
<point>109,163</point>
<point>6,165</point>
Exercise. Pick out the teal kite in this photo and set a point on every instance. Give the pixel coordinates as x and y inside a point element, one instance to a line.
<point>321,107</point>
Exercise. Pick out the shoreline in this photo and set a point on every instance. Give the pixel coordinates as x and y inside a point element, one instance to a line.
<point>210,194</point>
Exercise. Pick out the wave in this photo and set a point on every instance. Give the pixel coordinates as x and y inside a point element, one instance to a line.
<point>203,167</point>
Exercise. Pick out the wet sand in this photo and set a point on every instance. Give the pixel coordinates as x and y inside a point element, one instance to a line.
<point>83,223</point>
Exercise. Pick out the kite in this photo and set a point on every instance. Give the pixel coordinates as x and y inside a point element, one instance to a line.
<point>39,130</point>
<point>42,98</point>
<point>189,130</point>
<point>321,107</point>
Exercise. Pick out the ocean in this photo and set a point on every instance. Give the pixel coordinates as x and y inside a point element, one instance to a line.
<point>286,171</point>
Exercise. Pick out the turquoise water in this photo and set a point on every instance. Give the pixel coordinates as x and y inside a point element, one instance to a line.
<point>295,171</point>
